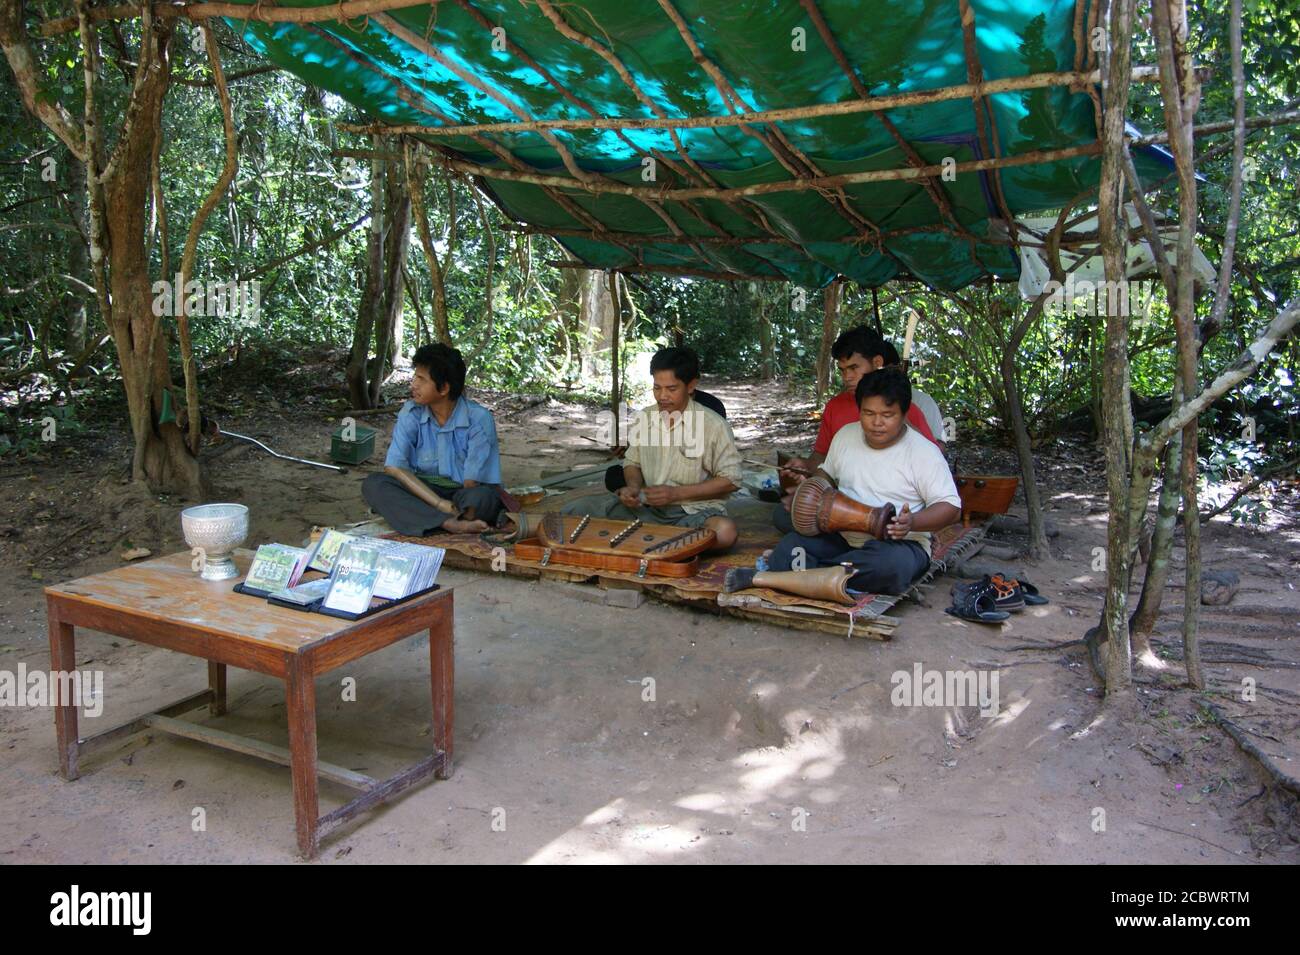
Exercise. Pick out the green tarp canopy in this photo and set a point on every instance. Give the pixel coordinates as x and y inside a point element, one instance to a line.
<point>464,62</point>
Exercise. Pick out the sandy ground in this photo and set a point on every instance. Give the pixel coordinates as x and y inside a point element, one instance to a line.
<point>761,744</point>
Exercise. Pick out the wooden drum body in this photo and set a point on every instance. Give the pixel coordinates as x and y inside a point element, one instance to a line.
<point>818,508</point>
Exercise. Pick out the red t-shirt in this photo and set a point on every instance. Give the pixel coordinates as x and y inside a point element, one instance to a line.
<point>843,409</point>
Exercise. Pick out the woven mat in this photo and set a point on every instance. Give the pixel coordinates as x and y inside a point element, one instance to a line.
<point>757,534</point>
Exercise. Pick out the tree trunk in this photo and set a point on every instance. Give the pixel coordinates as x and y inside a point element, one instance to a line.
<point>117,201</point>
<point>766,339</point>
<point>1181,93</point>
<point>75,311</point>
<point>416,168</point>
<point>1162,543</point>
<point>595,319</point>
<point>390,314</point>
<point>1116,408</point>
<point>830,322</point>
<point>372,293</point>
<point>1039,548</point>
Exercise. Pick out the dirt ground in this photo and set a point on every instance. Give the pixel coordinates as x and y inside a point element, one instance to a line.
<point>762,744</point>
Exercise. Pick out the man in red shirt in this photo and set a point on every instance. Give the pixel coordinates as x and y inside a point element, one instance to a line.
<point>857,352</point>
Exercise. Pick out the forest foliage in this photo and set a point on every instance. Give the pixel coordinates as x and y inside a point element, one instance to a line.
<point>297,190</point>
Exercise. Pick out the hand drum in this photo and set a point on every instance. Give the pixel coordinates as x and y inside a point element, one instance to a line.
<point>818,508</point>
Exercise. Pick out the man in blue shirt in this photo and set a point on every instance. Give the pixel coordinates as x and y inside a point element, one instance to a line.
<point>443,470</point>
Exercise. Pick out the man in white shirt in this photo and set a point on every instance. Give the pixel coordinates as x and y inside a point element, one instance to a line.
<point>882,462</point>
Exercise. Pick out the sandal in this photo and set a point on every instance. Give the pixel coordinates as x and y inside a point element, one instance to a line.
<point>1032,596</point>
<point>1006,592</point>
<point>977,606</point>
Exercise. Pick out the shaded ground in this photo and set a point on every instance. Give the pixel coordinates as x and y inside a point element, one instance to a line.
<point>761,743</point>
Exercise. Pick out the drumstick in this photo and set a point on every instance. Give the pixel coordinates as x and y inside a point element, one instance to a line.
<point>779,467</point>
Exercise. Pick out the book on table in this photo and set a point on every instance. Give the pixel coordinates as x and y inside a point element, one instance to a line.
<point>359,570</point>
<point>354,578</point>
<point>276,567</point>
<point>327,550</point>
<point>304,595</point>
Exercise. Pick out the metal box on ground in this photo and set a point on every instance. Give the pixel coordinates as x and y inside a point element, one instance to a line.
<point>356,451</point>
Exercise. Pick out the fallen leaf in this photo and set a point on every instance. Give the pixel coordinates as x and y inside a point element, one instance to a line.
<point>135,553</point>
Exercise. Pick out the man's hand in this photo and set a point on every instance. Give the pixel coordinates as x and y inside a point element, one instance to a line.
<point>803,464</point>
<point>901,525</point>
<point>660,495</point>
<point>629,496</point>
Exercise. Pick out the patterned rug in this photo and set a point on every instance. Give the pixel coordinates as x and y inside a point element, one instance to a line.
<point>757,534</point>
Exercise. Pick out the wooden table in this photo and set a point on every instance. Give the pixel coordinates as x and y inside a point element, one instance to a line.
<point>165,603</point>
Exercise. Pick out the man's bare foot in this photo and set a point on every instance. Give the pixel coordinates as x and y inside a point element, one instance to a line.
<point>457,526</point>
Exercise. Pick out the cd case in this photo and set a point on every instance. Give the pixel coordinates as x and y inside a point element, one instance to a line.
<point>377,603</point>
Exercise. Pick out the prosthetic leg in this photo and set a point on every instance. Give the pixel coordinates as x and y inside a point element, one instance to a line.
<point>825,583</point>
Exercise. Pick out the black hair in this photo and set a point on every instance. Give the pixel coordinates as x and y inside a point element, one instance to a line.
<point>889,353</point>
<point>444,365</point>
<point>682,362</point>
<point>858,340</point>
<point>888,383</point>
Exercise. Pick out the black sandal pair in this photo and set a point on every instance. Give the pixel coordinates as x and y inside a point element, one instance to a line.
<point>993,598</point>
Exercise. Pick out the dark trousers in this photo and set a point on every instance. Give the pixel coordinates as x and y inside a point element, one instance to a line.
<point>781,519</point>
<point>409,515</point>
<point>883,567</point>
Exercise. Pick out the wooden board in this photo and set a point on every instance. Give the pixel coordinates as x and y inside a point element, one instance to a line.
<point>879,628</point>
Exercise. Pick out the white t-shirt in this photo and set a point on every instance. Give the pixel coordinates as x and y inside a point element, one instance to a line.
<point>930,411</point>
<point>910,471</point>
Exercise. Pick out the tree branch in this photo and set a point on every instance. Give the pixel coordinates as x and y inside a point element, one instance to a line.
<point>1229,378</point>
<point>347,10</point>
<point>18,51</point>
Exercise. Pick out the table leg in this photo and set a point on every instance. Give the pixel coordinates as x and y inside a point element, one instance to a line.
<point>441,669</point>
<point>217,683</point>
<point>301,703</point>
<point>63,659</point>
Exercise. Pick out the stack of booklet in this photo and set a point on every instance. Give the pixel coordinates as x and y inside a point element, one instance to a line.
<point>361,568</point>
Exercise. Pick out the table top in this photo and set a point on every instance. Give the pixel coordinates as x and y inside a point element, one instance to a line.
<point>168,589</point>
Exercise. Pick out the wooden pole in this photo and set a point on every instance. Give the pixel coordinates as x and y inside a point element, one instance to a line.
<point>612,281</point>
<point>814,183</point>
<point>876,104</point>
<point>830,320</point>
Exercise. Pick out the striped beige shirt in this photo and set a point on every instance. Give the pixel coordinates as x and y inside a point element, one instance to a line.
<point>678,450</point>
